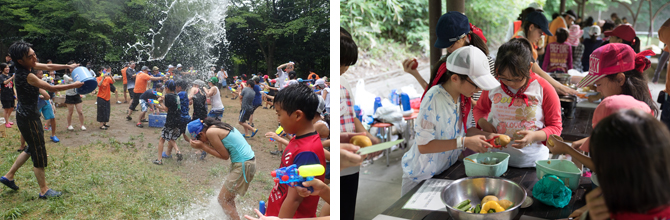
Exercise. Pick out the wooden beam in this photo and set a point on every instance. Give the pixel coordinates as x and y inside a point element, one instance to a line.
<point>434,13</point>
<point>562,9</point>
<point>457,5</point>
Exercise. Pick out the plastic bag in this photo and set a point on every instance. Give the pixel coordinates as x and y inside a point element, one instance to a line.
<point>552,191</point>
<point>365,99</point>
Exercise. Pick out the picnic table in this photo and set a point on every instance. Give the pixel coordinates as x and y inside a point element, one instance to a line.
<point>579,126</point>
<point>525,177</point>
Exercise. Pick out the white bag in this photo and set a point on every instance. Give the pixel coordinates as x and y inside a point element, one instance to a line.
<point>364,99</point>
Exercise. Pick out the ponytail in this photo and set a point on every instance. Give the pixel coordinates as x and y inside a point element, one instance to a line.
<point>635,44</point>
<point>478,42</point>
<point>209,122</point>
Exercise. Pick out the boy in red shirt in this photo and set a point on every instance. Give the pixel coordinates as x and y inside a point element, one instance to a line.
<point>296,107</point>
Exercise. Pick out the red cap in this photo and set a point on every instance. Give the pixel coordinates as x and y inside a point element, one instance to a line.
<point>609,59</point>
<point>625,32</point>
<point>265,77</point>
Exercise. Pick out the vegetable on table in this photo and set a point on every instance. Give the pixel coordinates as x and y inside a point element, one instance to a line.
<point>491,205</point>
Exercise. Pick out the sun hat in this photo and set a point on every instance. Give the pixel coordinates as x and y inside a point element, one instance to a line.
<point>609,59</point>
<point>213,80</point>
<point>611,105</point>
<point>155,68</point>
<point>575,34</point>
<point>540,20</point>
<point>471,61</point>
<point>571,13</point>
<point>625,32</point>
<point>451,27</point>
<point>194,128</point>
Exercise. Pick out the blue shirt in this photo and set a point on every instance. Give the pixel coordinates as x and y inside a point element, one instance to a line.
<point>183,99</point>
<point>257,96</point>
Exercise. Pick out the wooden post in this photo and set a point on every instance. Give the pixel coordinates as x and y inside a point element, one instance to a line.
<point>434,13</point>
<point>457,5</point>
<point>562,9</point>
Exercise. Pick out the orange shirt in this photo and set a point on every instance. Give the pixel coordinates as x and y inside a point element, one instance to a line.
<point>123,72</point>
<point>141,81</point>
<point>103,88</point>
<point>312,75</point>
<point>559,22</point>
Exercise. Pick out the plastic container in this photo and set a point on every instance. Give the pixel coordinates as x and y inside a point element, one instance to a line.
<point>564,169</point>
<point>478,169</point>
<point>81,74</point>
<point>378,103</point>
<point>157,121</point>
<point>261,207</point>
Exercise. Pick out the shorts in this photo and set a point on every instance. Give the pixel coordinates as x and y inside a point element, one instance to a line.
<point>34,135</point>
<point>244,115</point>
<point>170,134</point>
<point>216,114</point>
<point>144,105</point>
<point>125,87</point>
<point>235,180</point>
<point>47,112</point>
<point>224,83</point>
<point>131,91</point>
<point>72,99</point>
<point>7,104</point>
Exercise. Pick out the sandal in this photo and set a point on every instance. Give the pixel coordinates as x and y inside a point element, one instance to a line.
<point>158,162</point>
<point>254,134</point>
<point>9,183</point>
<point>106,125</point>
<point>103,128</point>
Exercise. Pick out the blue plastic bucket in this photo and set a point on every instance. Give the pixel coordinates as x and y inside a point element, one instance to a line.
<point>81,74</point>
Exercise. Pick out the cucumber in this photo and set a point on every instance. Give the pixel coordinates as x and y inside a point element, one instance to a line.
<point>462,204</point>
<point>465,208</point>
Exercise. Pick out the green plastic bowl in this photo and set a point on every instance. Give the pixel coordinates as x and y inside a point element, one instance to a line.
<point>478,169</point>
<point>564,169</point>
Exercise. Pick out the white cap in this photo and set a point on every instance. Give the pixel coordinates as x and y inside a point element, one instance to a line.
<point>594,30</point>
<point>536,6</point>
<point>170,66</point>
<point>471,61</point>
<point>320,82</point>
<point>178,65</point>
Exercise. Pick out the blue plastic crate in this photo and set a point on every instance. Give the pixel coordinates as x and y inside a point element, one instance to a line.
<point>157,121</point>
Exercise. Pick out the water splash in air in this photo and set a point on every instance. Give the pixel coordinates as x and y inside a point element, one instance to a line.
<point>197,25</point>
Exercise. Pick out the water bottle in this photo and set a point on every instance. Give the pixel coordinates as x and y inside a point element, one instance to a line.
<point>394,97</point>
<point>378,103</point>
<point>357,110</point>
<point>261,207</point>
<point>404,99</point>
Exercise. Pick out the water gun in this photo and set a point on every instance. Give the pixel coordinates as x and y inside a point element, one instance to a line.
<point>231,89</point>
<point>261,207</point>
<point>279,132</point>
<point>295,174</point>
<point>60,81</point>
<point>158,93</point>
<point>153,101</point>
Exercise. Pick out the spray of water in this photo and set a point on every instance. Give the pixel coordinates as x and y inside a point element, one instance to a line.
<point>196,25</point>
<point>211,209</point>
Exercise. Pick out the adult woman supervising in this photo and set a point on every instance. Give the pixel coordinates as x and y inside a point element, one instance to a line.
<point>535,24</point>
<point>224,141</point>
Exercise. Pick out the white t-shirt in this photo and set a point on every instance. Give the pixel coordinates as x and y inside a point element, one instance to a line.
<point>327,100</point>
<point>216,100</point>
<point>281,79</point>
<point>222,76</point>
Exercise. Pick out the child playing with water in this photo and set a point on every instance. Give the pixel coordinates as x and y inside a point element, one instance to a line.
<point>214,95</point>
<point>247,101</point>
<point>147,102</point>
<point>222,140</point>
<point>184,104</point>
<point>171,130</point>
<point>296,106</point>
<point>524,106</point>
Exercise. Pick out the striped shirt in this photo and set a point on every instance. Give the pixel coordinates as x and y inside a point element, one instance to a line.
<point>577,53</point>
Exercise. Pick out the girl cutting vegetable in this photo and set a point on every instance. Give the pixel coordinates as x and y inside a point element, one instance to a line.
<point>441,126</point>
<point>524,107</point>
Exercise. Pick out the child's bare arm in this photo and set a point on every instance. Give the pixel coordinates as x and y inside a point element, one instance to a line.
<point>291,203</point>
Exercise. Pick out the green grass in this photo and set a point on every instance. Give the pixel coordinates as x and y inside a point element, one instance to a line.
<point>101,180</point>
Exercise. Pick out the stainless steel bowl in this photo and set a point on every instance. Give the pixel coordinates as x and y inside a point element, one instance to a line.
<point>475,188</point>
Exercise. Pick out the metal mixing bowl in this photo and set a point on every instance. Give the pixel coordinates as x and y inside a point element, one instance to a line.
<point>475,188</point>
